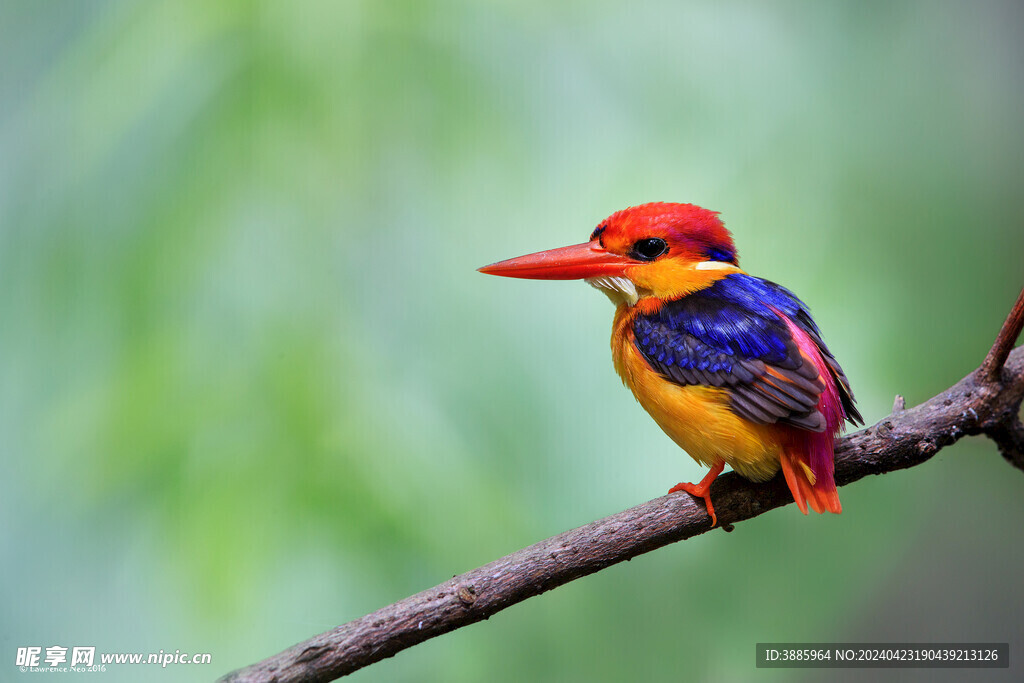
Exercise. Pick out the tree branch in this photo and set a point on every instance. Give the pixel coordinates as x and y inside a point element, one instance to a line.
<point>986,401</point>
<point>1009,437</point>
<point>996,357</point>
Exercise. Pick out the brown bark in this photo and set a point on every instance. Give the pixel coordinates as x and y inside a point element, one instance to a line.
<point>987,401</point>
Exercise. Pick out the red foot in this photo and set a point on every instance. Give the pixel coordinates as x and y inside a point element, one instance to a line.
<point>701,490</point>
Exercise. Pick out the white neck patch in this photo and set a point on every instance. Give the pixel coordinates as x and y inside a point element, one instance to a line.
<point>713,265</point>
<point>618,289</point>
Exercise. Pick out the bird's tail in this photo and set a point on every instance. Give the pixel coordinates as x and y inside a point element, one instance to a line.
<point>807,457</point>
<point>808,471</point>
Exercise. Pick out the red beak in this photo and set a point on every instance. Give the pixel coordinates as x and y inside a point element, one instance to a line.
<point>566,263</point>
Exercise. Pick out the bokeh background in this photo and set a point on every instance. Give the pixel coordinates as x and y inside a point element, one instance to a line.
<point>252,386</point>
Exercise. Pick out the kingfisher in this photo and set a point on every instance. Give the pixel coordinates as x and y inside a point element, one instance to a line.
<point>732,367</point>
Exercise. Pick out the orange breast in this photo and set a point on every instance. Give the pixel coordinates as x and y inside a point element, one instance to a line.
<point>697,418</point>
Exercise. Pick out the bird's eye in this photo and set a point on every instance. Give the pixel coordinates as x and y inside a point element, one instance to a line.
<point>648,249</point>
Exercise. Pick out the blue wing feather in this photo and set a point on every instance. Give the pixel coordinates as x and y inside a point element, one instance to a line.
<point>732,319</point>
<point>731,334</point>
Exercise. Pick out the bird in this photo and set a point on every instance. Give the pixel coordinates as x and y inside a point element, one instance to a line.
<point>732,367</point>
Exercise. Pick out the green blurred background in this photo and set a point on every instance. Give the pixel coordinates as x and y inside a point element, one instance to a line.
<point>253,386</point>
